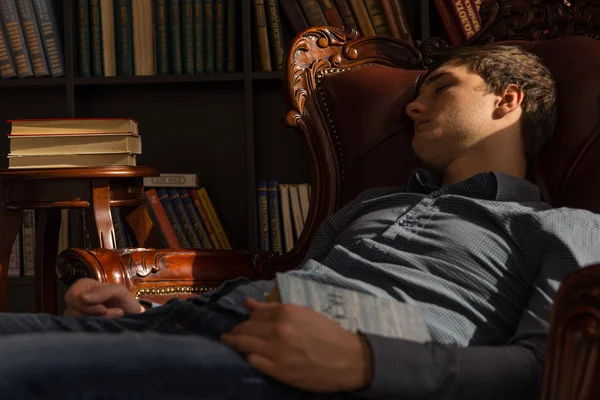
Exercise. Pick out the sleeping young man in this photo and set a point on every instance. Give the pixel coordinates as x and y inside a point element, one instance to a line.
<point>469,241</point>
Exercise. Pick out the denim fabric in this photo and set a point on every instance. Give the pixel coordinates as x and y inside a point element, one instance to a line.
<point>170,352</point>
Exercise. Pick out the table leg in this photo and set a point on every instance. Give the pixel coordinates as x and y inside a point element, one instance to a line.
<point>11,222</point>
<point>46,247</point>
<point>100,219</point>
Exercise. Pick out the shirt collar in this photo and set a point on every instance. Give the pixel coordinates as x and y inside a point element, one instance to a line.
<point>488,185</point>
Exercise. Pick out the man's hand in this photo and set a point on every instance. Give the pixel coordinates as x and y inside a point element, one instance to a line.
<point>88,297</point>
<point>300,347</point>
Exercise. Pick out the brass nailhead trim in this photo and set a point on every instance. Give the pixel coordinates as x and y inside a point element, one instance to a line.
<point>168,291</point>
<point>320,76</point>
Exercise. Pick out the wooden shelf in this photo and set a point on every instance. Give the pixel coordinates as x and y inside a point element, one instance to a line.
<point>32,82</point>
<point>21,280</point>
<point>115,80</point>
<point>264,76</point>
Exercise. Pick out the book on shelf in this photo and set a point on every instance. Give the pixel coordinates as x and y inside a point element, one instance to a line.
<point>367,17</point>
<point>183,213</point>
<point>73,143</point>
<point>30,44</point>
<point>150,37</point>
<point>353,310</point>
<point>281,211</point>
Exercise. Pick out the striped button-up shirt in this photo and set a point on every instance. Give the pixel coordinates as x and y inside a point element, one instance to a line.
<point>483,258</point>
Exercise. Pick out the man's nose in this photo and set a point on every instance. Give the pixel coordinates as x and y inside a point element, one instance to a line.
<point>415,109</point>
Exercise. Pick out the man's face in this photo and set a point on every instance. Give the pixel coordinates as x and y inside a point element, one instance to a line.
<point>453,112</point>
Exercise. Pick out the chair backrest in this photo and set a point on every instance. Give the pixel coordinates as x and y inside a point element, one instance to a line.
<point>348,96</point>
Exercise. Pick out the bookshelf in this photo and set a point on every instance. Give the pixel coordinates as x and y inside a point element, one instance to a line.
<point>226,127</point>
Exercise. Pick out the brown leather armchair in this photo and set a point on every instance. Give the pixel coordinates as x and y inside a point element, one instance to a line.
<point>347,96</point>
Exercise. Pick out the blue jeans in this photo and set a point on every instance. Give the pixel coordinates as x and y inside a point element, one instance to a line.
<point>170,352</point>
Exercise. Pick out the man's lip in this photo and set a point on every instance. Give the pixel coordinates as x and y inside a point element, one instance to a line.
<point>419,124</point>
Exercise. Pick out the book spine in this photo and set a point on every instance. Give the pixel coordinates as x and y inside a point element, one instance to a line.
<point>262,35</point>
<point>28,232</point>
<point>294,16</point>
<point>15,262</point>
<point>214,218</point>
<point>390,15</point>
<point>124,37</point>
<point>274,217</point>
<point>46,19</point>
<point>467,15</point>
<point>96,38</point>
<point>196,221</point>
<point>33,38</point>
<point>187,36</point>
<point>161,32</point>
<point>205,219</point>
<point>107,18</point>
<point>264,235</point>
<point>313,12</point>
<point>163,196</point>
<point>160,220</point>
<point>209,36</point>
<point>175,36</point>
<point>445,12</point>
<point>115,214</point>
<point>378,19</point>
<point>331,13</point>
<point>185,219</point>
<point>275,34</point>
<point>220,36</point>
<point>362,17</point>
<point>286,217</point>
<point>85,67</point>
<point>399,11</point>
<point>16,39</point>
<point>7,66</point>
<point>347,15</point>
<point>198,36</point>
<point>144,47</point>
<point>231,36</point>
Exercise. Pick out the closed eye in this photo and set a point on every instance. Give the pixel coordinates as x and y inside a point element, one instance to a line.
<point>443,87</point>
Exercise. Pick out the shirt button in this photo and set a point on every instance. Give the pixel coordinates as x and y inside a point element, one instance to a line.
<point>404,222</point>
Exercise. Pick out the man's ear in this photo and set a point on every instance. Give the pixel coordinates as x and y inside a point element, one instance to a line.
<point>509,101</point>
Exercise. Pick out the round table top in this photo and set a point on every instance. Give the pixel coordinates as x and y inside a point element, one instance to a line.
<point>80,172</point>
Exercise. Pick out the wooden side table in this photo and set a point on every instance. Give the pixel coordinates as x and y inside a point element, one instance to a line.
<point>48,191</point>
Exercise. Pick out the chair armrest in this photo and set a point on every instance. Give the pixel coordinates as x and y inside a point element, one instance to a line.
<point>158,275</point>
<point>572,364</point>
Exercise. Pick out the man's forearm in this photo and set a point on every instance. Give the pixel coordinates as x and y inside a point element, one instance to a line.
<point>404,369</point>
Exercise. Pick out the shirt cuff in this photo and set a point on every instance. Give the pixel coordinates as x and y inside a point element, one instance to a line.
<point>407,369</point>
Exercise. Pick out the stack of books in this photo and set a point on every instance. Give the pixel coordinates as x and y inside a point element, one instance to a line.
<point>73,142</point>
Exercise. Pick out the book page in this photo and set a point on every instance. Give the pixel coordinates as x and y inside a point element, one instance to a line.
<point>355,311</point>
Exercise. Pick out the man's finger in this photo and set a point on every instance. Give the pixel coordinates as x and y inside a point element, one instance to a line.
<point>247,344</point>
<point>263,311</point>
<point>100,294</point>
<point>256,328</point>
<point>263,364</point>
<point>114,313</point>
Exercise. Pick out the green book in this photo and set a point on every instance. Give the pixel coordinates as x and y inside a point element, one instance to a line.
<point>175,36</point>
<point>198,36</point>
<point>161,34</point>
<point>209,36</point>
<point>187,36</point>
<point>124,37</point>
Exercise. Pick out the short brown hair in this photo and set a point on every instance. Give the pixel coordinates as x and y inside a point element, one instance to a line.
<point>502,65</point>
